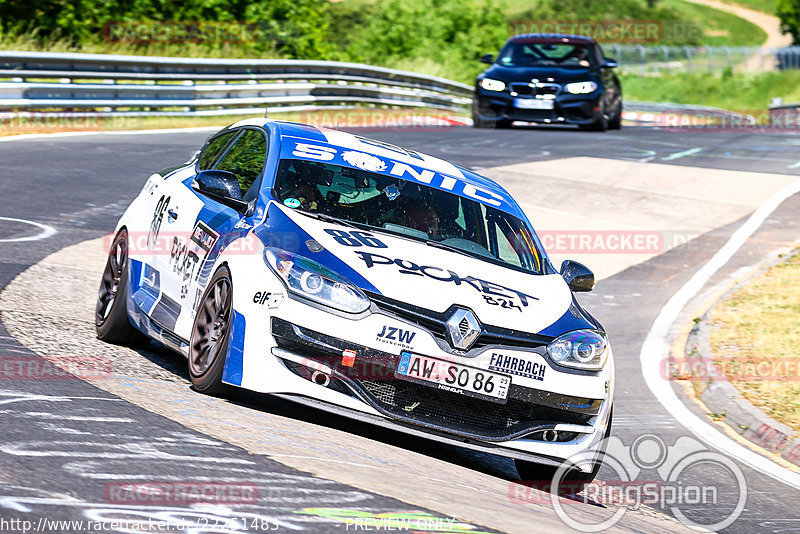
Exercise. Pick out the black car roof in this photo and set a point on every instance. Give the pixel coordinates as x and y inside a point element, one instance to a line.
<point>551,38</point>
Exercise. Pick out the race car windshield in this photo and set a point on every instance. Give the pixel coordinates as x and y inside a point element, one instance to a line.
<point>568,55</point>
<point>413,210</point>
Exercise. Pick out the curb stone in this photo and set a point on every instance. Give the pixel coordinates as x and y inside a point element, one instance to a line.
<point>726,402</point>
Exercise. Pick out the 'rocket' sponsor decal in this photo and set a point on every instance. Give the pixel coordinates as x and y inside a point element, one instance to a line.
<point>517,366</point>
<point>187,259</point>
<point>444,275</point>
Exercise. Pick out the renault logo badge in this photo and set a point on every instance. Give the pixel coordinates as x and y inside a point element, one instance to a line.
<point>463,329</point>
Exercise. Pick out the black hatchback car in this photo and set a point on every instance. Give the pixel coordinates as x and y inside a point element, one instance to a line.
<point>546,78</point>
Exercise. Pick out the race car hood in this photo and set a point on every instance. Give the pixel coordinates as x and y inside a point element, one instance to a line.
<point>429,277</point>
<point>525,74</point>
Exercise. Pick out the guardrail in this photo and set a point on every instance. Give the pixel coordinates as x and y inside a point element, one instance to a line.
<point>163,85</point>
<point>657,60</point>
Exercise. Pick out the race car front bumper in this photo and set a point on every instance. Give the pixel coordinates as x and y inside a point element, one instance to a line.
<point>567,109</point>
<point>533,425</point>
<point>527,413</point>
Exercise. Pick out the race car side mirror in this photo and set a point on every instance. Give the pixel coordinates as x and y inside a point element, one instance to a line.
<point>609,63</point>
<point>487,58</point>
<point>222,186</point>
<point>577,276</point>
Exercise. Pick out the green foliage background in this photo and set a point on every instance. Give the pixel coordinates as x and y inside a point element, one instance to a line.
<point>444,37</point>
<point>788,12</point>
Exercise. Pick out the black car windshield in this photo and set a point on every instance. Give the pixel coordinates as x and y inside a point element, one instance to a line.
<point>410,209</point>
<point>570,55</point>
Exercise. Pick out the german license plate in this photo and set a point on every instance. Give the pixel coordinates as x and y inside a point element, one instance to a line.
<point>532,103</point>
<point>454,377</point>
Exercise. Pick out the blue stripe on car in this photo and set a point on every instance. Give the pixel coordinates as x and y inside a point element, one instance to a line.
<point>232,373</point>
<point>567,323</point>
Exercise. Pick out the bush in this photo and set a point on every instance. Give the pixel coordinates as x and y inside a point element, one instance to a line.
<point>445,32</point>
<point>296,28</point>
<point>688,31</point>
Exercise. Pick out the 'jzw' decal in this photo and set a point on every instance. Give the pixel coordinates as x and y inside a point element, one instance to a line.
<point>188,259</point>
<point>396,336</point>
<point>445,275</point>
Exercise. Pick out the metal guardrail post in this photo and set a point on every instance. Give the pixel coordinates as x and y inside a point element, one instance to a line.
<point>642,60</point>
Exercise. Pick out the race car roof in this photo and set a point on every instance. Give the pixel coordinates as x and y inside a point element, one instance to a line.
<point>551,38</point>
<point>418,161</point>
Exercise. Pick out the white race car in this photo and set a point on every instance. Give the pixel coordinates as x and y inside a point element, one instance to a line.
<point>368,280</point>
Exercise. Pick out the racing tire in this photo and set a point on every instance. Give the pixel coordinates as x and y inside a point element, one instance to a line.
<point>208,344</point>
<point>615,122</point>
<point>600,125</point>
<point>479,122</point>
<point>111,311</point>
<point>573,478</point>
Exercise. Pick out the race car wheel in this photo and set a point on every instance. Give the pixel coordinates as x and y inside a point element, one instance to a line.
<point>111,312</point>
<point>479,111</point>
<point>615,122</point>
<point>543,474</point>
<point>600,125</point>
<point>208,344</point>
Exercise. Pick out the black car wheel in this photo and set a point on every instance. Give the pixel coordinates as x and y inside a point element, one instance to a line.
<point>478,120</point>
<point>543,474</point>
<point>208,344</point>
<point>615,122</point>
<point>599,125</point>
<point>111,312</point>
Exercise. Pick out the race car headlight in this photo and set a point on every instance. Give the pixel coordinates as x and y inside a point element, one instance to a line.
<point>313,281</point>
<point>580,349</point>
<point>492,85</point>
<point>581,88</point>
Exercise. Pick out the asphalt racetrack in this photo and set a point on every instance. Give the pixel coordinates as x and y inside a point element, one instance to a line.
<point>67,445</point>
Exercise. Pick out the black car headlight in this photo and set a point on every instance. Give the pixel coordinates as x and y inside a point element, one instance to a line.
<point>313,281</point>
<point>492,85</point>
<point>580,349</point>
<point>581,88</point>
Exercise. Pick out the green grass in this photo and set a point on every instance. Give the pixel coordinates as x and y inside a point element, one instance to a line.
<point>719,28</point>
<point>739,92</point>
<point>754,337</point>
<point>29,43</point>
<point>765,6</point>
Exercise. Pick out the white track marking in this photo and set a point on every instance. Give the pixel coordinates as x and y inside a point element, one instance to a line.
<point>62,417</point>
<point>678,155</point>
<point>657,346</point>
<point>47,231</point>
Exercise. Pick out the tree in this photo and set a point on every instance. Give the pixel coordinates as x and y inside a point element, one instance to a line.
<point>788,12</point>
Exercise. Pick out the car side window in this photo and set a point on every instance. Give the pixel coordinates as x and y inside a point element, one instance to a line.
<point>245,158</point>
<point>598,54</point>
<point>213,150</point>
